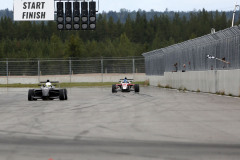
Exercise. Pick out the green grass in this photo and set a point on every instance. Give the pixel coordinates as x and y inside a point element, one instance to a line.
<point>220,93</point>
<point>168,86</point>
<point>19,85</point>
<point>146,83</point>
<point>184,89</point>
<point>66,85</point>
<point>160,86</point>
<point>180,89</point>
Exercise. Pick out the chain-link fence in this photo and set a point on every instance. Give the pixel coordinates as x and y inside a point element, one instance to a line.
<point>38,67</point>
<point>192,54</point>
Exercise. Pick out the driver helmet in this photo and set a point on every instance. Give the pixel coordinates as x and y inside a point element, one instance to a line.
<point>48,84</point>
<point>125,79</point>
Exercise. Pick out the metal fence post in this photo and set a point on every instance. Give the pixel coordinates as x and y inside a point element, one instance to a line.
<point>133,61</point>
<point>38,71</point>
<point>70,69</point>
<point>102,68</point>
<point>133,67</point>
<point>7,69</point>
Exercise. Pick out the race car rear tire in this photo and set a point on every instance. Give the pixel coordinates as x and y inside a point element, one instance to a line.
<point>136,88</point>
<point>65,93</point>
<point>114,88</point>
<point>61,94</point>
<point>30,94</point>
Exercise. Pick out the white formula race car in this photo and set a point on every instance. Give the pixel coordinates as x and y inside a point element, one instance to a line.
<point>47,92</point>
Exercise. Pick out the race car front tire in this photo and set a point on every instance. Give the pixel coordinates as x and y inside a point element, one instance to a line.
<point>61,94</point>
<point>114,88</point>
<point>136,87</point>
<point>30,94</point>
<point>65,94</point>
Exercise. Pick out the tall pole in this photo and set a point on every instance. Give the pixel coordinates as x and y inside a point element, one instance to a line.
<point>133,67</point>
<point>234,12</point>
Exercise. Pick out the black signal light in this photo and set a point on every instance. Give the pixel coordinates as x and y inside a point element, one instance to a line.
<point>92,15</point>
<point>68,15</point>
<point>84,15</point>
<point>76,15</point>
<point>60,16</point>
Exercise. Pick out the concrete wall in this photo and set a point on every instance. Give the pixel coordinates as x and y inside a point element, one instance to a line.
<point>72,78</point>
<point>227,81</point>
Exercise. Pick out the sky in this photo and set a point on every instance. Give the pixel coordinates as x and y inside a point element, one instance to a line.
<point>157,5</point>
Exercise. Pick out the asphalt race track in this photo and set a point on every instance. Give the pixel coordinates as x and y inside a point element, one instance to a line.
<point>94,124</point>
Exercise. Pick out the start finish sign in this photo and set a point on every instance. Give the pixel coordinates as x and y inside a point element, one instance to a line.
<point>33,10</point>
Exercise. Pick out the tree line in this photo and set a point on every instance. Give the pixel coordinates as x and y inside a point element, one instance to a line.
<point>112,38</point>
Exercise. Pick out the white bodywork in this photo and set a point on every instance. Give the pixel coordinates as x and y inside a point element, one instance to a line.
<point>124,86</point>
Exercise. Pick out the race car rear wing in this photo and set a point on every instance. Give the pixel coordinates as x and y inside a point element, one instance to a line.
<point>50,82</point>
<point>130,80</point>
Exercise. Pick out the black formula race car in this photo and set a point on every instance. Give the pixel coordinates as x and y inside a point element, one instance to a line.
<point>125,85</point>
<point>47,92</point>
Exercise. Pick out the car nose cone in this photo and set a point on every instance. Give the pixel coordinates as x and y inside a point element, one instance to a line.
<point>45,92</point>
